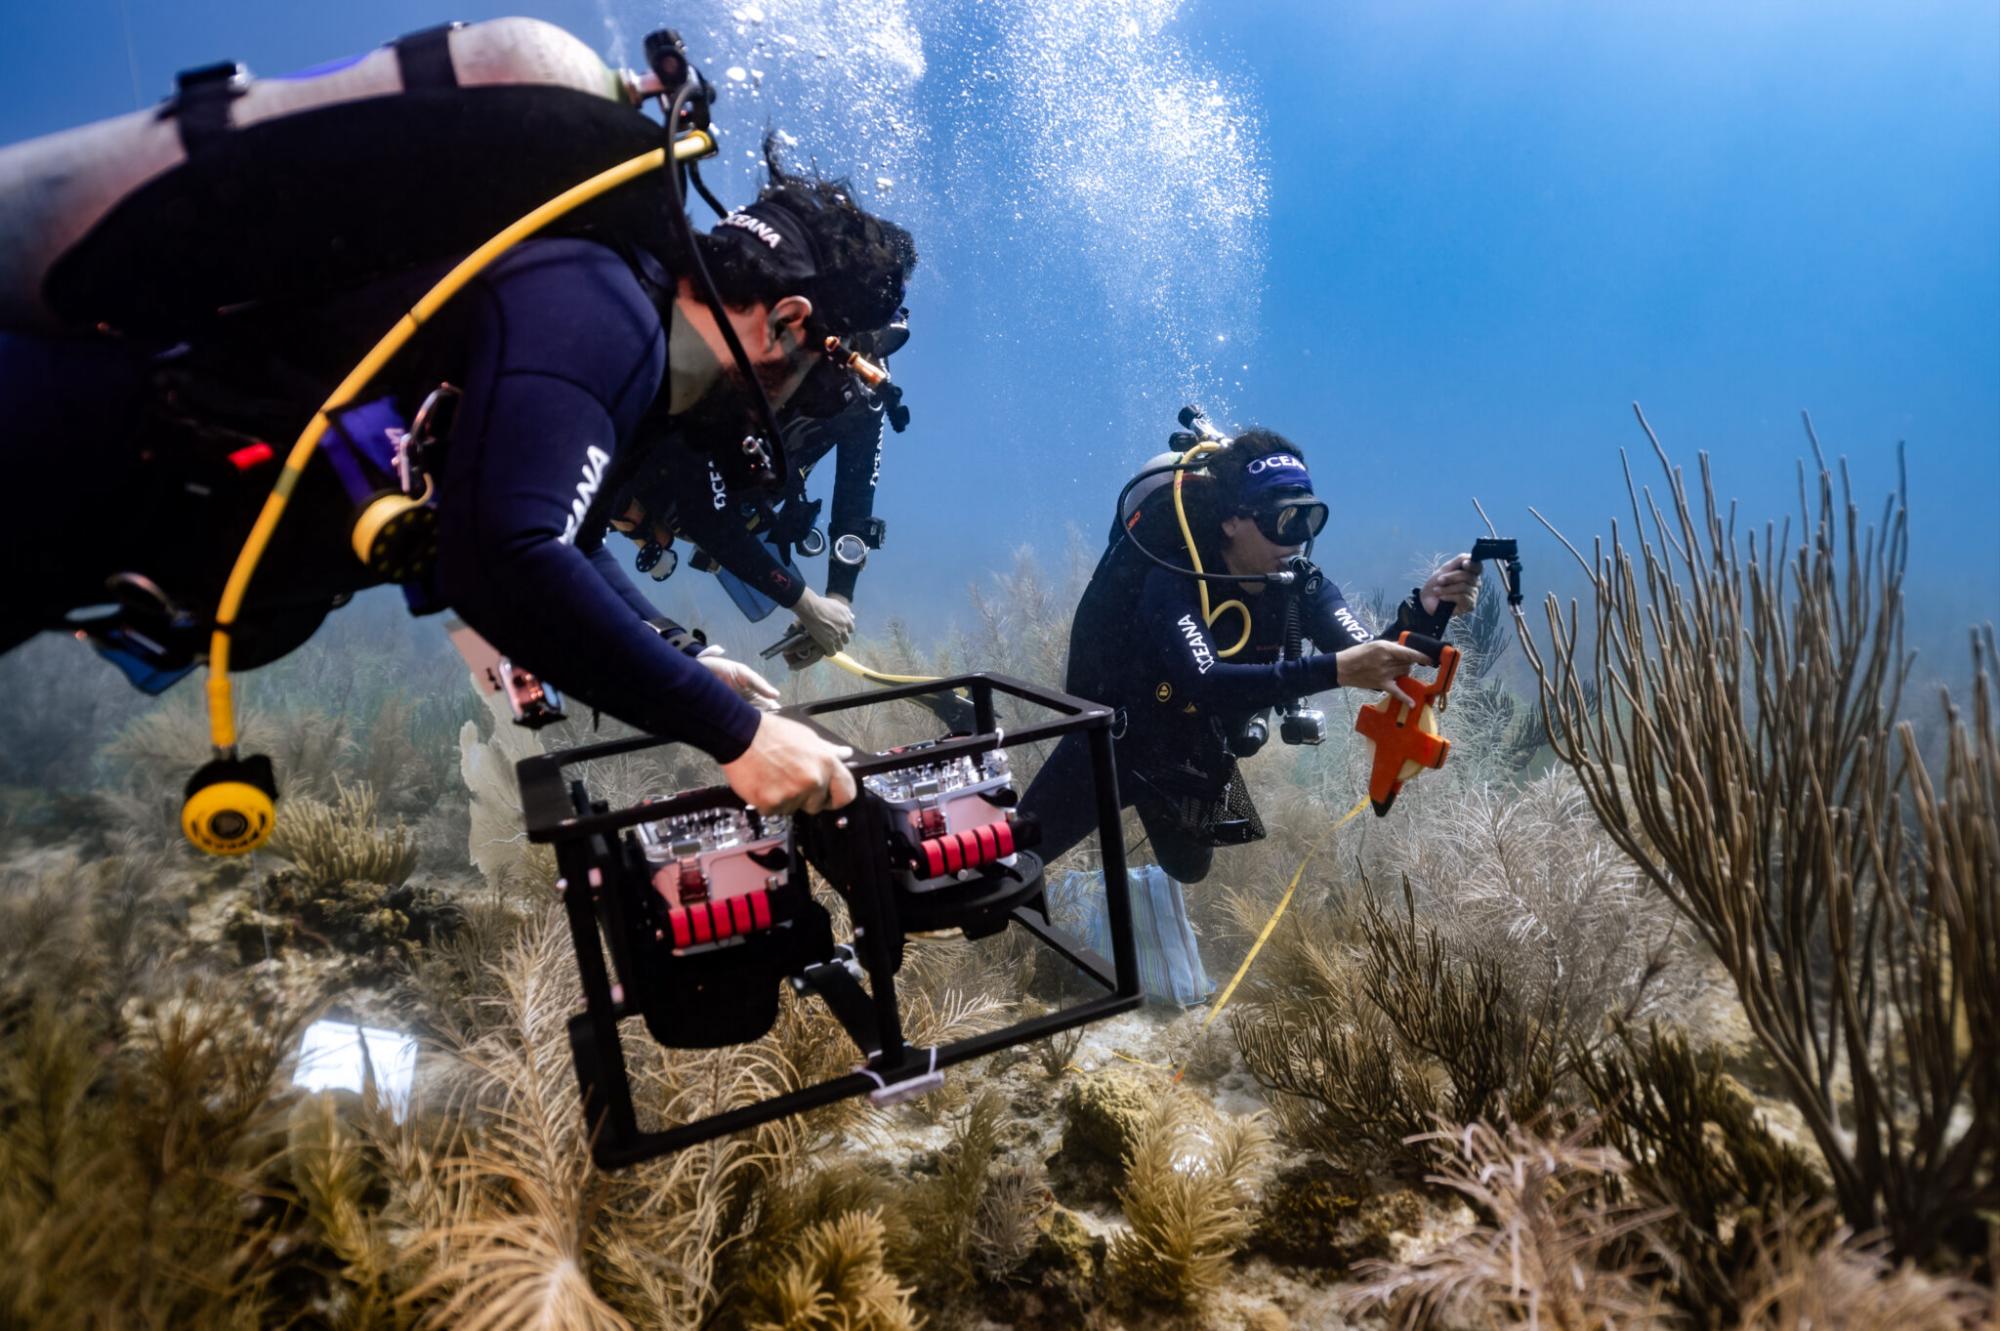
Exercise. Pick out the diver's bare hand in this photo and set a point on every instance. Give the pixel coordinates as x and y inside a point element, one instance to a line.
<point>789,769</point>
<point>1456,580</point>
<point>1379,665</point>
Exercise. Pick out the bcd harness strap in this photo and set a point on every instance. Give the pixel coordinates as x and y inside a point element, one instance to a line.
<point>423,59</point>
<point>200,104</point>
<point>202,96</point>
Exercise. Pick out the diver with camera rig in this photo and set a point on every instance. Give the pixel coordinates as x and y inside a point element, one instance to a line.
<point>470,454</point>
<point>1193,627</point>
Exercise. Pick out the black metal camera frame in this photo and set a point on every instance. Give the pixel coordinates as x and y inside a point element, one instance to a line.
<point>586,837</point>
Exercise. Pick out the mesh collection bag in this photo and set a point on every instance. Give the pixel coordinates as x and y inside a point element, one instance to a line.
<point>1170,969</point>
<point>1202,792</point>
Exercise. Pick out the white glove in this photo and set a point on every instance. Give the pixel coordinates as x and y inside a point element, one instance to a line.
<point>752,687</point>
<point>829,619</point>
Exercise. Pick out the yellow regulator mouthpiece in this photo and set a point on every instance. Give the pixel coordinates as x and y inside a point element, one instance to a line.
<point>230,805</point>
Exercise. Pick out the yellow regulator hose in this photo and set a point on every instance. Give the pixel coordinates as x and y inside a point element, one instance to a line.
<point>1208,616</point>
<point>221,698</point>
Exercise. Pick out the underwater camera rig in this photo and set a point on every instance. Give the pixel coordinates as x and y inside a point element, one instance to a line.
<point>706,908</point>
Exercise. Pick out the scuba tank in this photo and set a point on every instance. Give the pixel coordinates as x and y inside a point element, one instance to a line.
<point>1151,479</point>
<point>238,189</point>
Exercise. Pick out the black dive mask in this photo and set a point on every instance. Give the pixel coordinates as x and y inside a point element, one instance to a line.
<point>1291,521</point>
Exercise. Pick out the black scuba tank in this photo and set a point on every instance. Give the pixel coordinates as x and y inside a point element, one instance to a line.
<point>239,190</point>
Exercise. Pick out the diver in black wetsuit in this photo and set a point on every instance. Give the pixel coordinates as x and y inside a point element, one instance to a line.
<point>145,465</point>
<point>1184,698</point>
<point>750,536</point>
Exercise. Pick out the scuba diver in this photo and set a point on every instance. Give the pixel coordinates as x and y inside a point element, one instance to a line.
<point>1192,687</point>
<point>514,410</point>
<point>748,540</point>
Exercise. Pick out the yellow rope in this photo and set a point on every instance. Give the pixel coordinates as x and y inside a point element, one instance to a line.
<point>854,667</point>
<point>1271,924</point>
<point>221,703</point>
<point>1144,1063</point>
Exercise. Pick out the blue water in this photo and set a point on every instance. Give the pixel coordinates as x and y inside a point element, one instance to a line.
<point>1442,245</point>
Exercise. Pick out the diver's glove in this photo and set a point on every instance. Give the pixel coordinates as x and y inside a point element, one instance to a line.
<point>752,687</point>
<point>829,619</point>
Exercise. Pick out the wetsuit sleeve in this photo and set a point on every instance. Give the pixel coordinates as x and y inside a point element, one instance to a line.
<point>614,577</point>
<point>857,466</point>
<point>1185,651</point>
<point>1334,627</point>
<point>563,354</point>
<point>1330,623</point>
<point>710,517</point>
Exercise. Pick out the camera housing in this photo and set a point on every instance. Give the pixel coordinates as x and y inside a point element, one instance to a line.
<point>1302,725</point>
<point>696,914</point>
<point>1254,735</point>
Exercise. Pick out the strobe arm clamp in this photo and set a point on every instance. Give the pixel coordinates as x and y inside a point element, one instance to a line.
<point>703,964</point>
<point>1506,551</point>
<point>795,639</point>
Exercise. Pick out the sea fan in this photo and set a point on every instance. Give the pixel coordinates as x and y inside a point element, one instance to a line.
<point>834,1280</point>
<point>1549,1250</point>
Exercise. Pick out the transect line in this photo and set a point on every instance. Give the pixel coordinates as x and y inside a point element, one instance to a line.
<point>1229,992</point>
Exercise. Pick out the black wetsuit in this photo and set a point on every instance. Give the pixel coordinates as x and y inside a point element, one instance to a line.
<point>697,503</point>
<point>560,350</point>
<point>1138,644</point>
<point>854,437</point>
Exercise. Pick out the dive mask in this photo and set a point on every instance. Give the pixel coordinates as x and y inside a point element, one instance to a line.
<point>850,368</point>
<point>1293,521</point>
<point>886,341</point>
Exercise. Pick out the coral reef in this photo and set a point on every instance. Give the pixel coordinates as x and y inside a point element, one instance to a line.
<point>1853,898</point>
<point>1547,1250</point>
<point>834,1279</point>
<point>1315,1215</point>
<point>339,842</point>
<point>1104,1112</point>
<point>1479,1075</point>
<point>292,909</point>
<point>1189,1180</point>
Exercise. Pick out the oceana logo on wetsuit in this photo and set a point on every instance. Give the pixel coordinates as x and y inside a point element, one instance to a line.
<point>764,231</point>
<point>594,459</point>
<point>718,490</point>
<point>1197,645</point>
<point>1274,462</point>
<point>1352,625</point>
